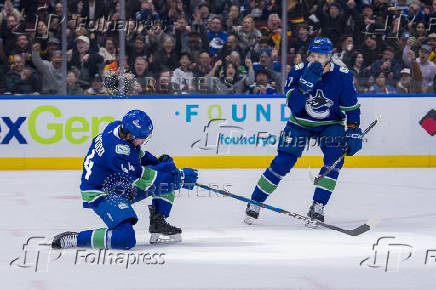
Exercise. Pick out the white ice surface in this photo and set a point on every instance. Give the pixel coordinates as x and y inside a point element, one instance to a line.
<point>218,251</point>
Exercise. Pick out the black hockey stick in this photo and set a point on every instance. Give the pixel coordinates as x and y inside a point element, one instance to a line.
<point>354,232</point>
<point>330,168</point>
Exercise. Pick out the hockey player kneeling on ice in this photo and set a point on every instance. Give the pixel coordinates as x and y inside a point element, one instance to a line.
<point>321,96</point>
<point>117,173</point>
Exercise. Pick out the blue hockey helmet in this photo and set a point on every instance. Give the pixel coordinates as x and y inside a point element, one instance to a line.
<point>320,45</point>
<point>137,123</point>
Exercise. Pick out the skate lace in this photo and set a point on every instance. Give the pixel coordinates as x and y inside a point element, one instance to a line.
<point>69,241</point>
<point>168,225</point>
<point>318,208</point>
<point>254,208</point>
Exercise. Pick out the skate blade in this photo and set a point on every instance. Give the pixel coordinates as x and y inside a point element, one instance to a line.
<point>249,220</point>
<point>312,224</point>
<point>157,238</point>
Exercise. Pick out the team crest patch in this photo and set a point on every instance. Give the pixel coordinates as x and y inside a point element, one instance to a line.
<point>318,107</point>
<point>122,205</point>
<point>123,149</point>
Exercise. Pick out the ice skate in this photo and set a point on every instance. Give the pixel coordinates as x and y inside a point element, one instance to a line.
<point>65,240</point>
<point>252,212</point>
<point>316,213</point>
<point>160,230</point>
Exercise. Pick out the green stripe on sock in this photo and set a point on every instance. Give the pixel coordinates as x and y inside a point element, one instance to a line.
<point>265,185</point>
<point>169,196</point>
<point>327,183</point>
<point>147,178</point>
<point>90,195</point>
<point>98,240</point>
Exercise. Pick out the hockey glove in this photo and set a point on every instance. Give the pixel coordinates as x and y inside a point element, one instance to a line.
<point>166,164</point>
<point>310,77</point>
<point>354,140</point>
<point>186,178</point>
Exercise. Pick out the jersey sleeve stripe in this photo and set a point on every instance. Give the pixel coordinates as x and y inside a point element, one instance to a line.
<point>351,108</point>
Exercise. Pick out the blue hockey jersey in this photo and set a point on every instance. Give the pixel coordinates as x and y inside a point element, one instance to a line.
<point>110,154</point>
<point>332,100</point>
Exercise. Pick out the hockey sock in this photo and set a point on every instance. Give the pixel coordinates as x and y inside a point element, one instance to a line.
<point>121,237</point>
<point>163,203</point>
<point>268,182</point>
<point>326,186</point>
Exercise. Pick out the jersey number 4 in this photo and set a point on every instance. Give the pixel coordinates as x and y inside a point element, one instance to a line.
<point>87,165</point>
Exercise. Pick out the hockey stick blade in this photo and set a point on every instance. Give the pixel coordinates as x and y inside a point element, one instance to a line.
<point>330,168</point>
<point>354,232</point>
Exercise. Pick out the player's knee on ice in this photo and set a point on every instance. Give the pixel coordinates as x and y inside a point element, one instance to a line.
<point>123,236</point>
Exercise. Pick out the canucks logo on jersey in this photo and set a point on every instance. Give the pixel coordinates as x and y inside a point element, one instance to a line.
<point>318,107</point>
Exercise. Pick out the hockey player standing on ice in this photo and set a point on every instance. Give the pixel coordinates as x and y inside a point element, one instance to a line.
<point>321,97</point>
<point>113,155</point>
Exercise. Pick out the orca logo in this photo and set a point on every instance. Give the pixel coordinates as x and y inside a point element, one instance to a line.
<point>136,123</point>
<point>318,107</point>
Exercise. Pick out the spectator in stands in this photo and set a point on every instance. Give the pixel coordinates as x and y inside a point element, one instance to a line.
<point>232,44</point>
<point>7,33</point>
<point>8,9</point>
<point>360,72</point>
<point>371,51</point>
<point>268,62</point>
<point>138,49</point>
<point>300,44</point>
<point>381,86</point>
<point>197,41</point>
<point>407,85</point>
<point>229,80</point>
<point>419,32</point>
<point>262,85</point>
<point>334,21</point>
<point>108,52</point>
<point>233,19</point>
<point>53,44</point>
<point>156,36</point>
<point>235,58</point>
<point>272,31</point>
<point>163,83</point>
<point>23,47</point>
<point>247,34</point>
<point>166,56</point>
<point>427,68</point>
<point>432,43</point>
<point>344,53</point>
<point>51,71</point>
<point>182,79</point>
<point>72,87</point>
<point>97,87</point>
<point>82,58</point>
<point>217,37</point>
<point>94,9</point>
<point>21,79</point>
<point>202,15</point>
<point>142,73</point>
<point>387,63</point>
<point>203,66</point>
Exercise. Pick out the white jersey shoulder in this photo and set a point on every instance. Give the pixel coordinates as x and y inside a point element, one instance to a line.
<point>299,66</point>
